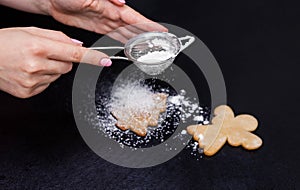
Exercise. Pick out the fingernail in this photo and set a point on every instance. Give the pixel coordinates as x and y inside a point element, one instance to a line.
<point>122,1</point>
<point>105,62</point>
<point>77,41</point>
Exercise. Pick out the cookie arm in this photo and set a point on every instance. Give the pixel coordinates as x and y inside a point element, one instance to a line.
<point>252,141</point>
<point>216,146</point>
<point>245,121</point>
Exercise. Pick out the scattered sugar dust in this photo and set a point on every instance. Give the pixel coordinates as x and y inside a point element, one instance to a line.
<point>138,95</point>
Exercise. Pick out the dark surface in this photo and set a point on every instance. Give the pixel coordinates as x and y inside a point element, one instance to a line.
<point>257,46</point>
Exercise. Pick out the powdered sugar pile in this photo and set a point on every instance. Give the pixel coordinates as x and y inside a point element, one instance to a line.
<point>133,97</point>
<point>155,57</point>
<point>162,54</point>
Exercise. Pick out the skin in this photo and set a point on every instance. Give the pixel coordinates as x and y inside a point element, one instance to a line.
<point>34,57</point>
<point>107,16</point>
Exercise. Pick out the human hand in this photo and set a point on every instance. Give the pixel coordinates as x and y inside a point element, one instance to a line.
<point>32,58</point>
<point>103,16</point>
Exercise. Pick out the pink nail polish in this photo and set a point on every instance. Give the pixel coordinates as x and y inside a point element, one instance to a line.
<point>77,41</point>
<point>122,1</point>
<point>105,62</point>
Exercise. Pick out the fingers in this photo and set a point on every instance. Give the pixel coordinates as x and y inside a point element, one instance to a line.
<point>32,81</point>
<point>70,53</point>
<point>132,23</point>
<point>29,86</point>
<point>29,92</point>
<point>131,17</point>
<point>93,57</point>
<point>53,67</point>
<point>38,84</point>
<point>117,36</point>
<point>122,34</point>
<point>128,24</point>
<point>51,34</point>
<point>118,2</point>
<point>47,79</point>
<point>126,32</point>
<point>150,26</point>
<point>39,89</point>
<point>134,29</point>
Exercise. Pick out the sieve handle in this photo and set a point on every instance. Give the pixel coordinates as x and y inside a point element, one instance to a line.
<point>119,57</point>
<point>190,40</point>
<point>111,47</point>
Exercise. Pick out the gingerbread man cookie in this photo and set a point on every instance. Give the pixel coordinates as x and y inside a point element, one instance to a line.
<point>226,127</point>
<point>137,120</point>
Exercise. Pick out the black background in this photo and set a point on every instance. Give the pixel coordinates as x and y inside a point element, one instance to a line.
<point>256,44</point>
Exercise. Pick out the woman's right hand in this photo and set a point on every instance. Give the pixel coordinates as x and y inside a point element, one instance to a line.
<point>32,58</point>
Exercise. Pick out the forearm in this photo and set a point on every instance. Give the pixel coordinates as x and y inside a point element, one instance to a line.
<point>32,6</point>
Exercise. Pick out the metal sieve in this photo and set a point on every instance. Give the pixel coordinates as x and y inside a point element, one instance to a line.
<point>162,47</point>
